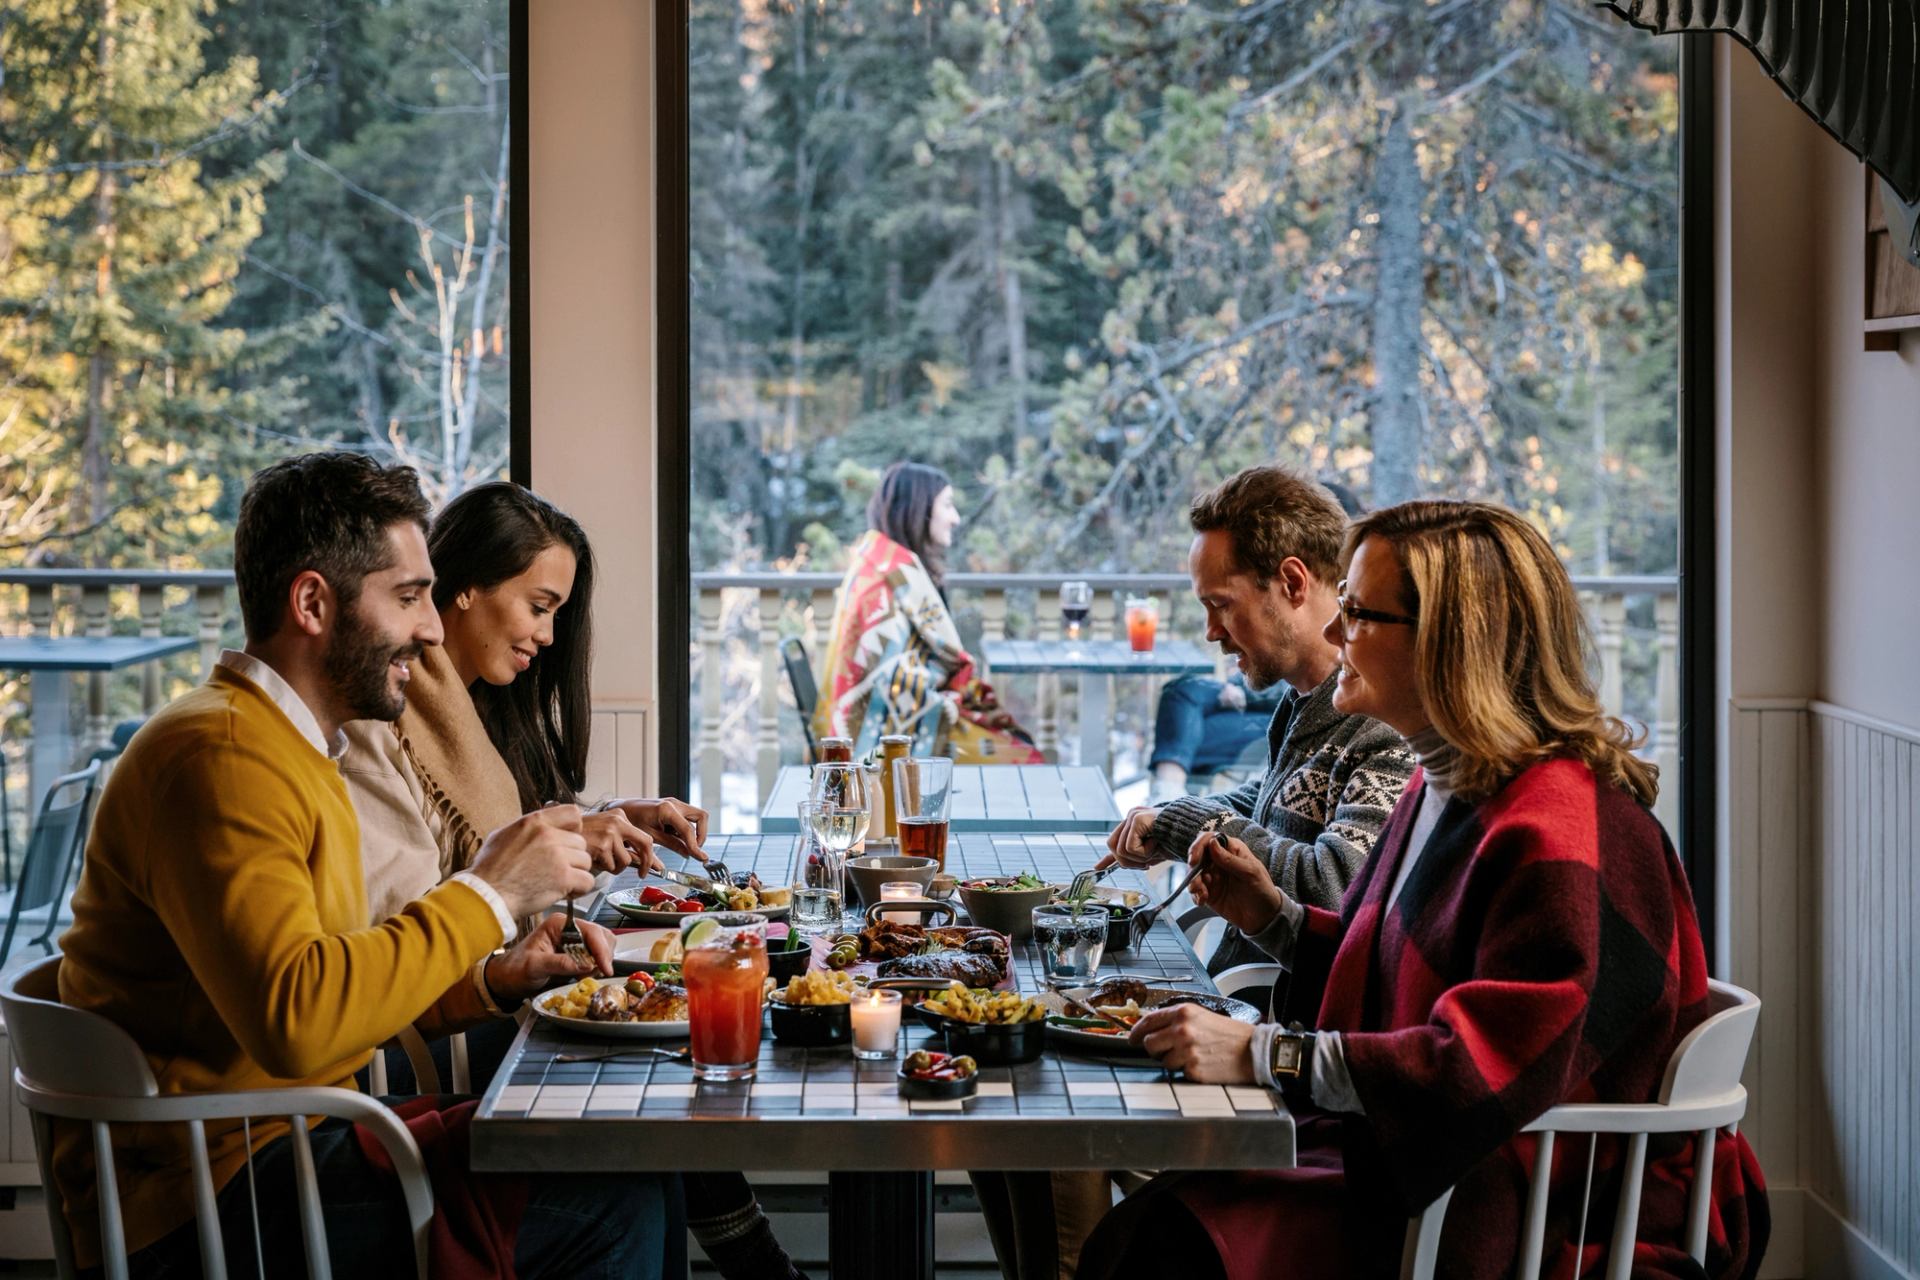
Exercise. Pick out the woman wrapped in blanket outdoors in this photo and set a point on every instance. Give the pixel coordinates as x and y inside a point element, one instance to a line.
<point>895,664</point>
<point>496,724</point>
<point>1522,936</point>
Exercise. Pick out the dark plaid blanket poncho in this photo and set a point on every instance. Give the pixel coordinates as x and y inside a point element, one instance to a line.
<point>1544,950</point>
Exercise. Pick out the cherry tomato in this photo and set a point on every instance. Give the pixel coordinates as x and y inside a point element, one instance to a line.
<point>688,905</point>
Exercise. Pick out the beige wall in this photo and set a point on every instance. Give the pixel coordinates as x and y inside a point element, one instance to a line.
<point>1868,473</point>
<point>590,110</point>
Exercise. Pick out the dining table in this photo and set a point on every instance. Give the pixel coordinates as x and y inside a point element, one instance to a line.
<point>1005,798</point>
<point>1096,663</point>
<point>821,1110</point>
<point>50,659</point>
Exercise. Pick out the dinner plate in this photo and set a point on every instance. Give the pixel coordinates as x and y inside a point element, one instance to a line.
<point>607,1030</point>
<point>633,952</point>
<point>627,903</point>
<point>1081,1041</point>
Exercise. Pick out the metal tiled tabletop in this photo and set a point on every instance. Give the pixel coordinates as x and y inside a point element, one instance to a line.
<point>819,1109</point>
<point>1097,657</point>
<point>1007,798</point>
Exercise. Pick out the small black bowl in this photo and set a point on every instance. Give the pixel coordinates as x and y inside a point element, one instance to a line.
<point>1119,927</point>
<point>937,1090</point>
<point>784,963</point>
<point>810,1026</point>
<point>994,1044</point>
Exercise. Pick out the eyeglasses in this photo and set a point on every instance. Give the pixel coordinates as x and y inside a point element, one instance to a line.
<point>1358,613</point>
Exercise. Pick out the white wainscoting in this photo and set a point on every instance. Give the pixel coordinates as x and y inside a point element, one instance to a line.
<point>1824,891</point>
<point>621,760</point>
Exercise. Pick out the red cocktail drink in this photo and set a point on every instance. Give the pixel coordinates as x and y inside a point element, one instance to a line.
<point>1142,621</point>
<point>725,973</point>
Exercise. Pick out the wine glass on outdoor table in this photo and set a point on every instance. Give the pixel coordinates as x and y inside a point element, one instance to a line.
<point>1076,598</point>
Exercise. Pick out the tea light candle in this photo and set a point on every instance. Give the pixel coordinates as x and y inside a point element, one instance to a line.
<point>898,891</point>
<point>876,1024</point>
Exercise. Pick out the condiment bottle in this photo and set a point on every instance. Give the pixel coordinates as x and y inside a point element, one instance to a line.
<point>894,746</point>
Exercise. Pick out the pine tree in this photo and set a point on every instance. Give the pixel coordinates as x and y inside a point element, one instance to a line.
<point>122,237</point>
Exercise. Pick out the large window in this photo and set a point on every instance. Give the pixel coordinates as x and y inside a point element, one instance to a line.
<point>1091,257</point>
<point>231,230</point>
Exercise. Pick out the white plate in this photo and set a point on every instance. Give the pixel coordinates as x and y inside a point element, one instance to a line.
<point>627,903</point>
<point>606,1030</point>
<point>635,950</point>
<point>1079,1041</point>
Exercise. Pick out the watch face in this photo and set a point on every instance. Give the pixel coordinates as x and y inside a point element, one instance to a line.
<point>1286,1055</point>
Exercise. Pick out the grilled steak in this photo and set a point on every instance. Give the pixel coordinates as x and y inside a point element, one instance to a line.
<point>956,966</point>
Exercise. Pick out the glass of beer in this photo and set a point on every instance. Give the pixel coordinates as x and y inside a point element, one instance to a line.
<point>1143,619</point>
<point>724,968</point>
<point>922,795</point>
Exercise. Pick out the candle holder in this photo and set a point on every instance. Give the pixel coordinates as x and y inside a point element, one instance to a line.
<point>876,1024</point>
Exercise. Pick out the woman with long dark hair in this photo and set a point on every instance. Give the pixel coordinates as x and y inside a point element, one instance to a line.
<point>496,724</point>
<point>895,664</point>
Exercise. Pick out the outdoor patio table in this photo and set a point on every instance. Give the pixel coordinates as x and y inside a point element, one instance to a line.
<point>1002,797</point>
<point>1092,660</point>
<point>55,656</point>
<point>818,1109</point>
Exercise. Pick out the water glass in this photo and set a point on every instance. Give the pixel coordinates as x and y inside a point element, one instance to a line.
<point>817,879</point>
<point>1071,940</point>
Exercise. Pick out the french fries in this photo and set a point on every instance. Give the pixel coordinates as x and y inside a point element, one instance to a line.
<point>1003,1008</point>
<point>817,987</point>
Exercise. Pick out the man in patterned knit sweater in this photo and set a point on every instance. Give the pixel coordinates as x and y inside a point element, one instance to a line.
<point>1265,564</point>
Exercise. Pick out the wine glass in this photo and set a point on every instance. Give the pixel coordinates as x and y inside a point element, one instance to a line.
<point>842,807</point>
<point>1076,598</point>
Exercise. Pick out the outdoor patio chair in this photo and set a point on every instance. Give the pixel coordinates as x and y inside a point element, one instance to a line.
<point>426,1073</point>
<point>53,850</point>
<point>1701,1094</point>
<point>806,693</point>
<point>104,1080</point>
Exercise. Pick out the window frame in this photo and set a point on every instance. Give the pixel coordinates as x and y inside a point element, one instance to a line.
<point>1698,729</point>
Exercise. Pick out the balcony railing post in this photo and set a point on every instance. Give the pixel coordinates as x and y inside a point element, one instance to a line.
<point>822,632</point>
<point>712,678</point>
<point>993,616</point>
<point>151,601</point>
<point>96,620</point>
<point>40,608</point>
<point>767,757</point>
<point>210,602</point>
<point>1666,706</point>
<point>1609,613</point>
<point>1047,625</point>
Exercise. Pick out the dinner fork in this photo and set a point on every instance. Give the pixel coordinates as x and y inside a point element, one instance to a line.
<point>572,945</point>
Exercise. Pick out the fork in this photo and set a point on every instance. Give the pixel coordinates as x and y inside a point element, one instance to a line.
<point>1143,920</point>
<point>572,945</point>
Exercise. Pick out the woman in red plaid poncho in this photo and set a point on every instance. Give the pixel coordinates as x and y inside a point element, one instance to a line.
<point>1522,936</point>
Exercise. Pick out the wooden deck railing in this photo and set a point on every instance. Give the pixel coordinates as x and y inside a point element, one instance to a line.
<point>742,617</point>
<point>1635,624</point>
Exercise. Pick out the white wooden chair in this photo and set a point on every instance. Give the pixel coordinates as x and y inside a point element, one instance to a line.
<point>78,1065</point>
<point>1701,1094</point>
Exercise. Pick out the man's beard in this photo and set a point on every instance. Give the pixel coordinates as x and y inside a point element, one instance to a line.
<point>356,666</point>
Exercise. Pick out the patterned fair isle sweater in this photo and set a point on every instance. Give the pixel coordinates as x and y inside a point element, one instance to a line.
<point>1331,780</point>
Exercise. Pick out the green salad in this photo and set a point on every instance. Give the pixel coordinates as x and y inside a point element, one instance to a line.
<point>1026,880</point>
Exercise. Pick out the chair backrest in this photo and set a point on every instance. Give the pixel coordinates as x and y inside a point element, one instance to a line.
<point>1700,1093</point>
<point>75,1064</point>
<point>806,694</point>
<point>57,832</point>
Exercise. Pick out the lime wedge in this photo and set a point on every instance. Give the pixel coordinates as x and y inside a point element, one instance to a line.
<point>698,932</point>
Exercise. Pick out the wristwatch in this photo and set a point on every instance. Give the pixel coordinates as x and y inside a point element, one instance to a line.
<point>1292,1054</point>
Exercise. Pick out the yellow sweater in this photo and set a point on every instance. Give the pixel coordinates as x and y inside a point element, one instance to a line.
<point>221,920</point>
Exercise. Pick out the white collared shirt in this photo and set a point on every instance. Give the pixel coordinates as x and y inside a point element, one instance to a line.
<point>295,708</point>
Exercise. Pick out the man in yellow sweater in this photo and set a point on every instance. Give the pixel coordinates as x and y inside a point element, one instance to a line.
<point>221,916</point>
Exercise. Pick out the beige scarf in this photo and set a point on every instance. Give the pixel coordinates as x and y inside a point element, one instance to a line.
<point>465,778</point>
